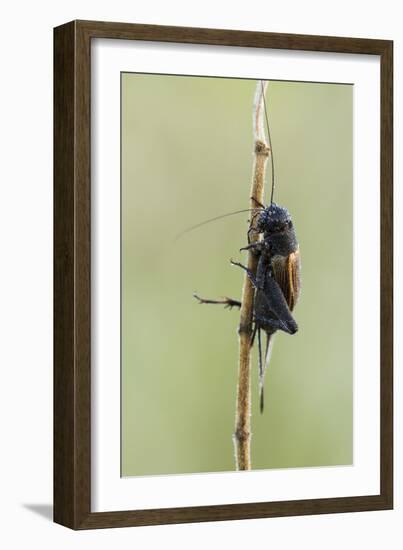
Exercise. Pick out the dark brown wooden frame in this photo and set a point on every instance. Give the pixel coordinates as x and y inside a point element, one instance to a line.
<point>72,292</point>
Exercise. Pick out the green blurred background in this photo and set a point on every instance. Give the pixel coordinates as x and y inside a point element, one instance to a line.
<point>187,156</point>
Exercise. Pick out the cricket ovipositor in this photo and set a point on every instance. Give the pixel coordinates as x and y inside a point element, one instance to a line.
<point>277,278</point>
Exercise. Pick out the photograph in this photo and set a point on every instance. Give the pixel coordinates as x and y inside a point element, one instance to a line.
<point>236,274</point>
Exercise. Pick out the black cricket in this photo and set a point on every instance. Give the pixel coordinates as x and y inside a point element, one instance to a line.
<point>277,281</point>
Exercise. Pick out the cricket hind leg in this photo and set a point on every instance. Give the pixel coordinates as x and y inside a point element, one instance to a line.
<point>275,324</point>
<point>228,303</point>
<point>272,310</point>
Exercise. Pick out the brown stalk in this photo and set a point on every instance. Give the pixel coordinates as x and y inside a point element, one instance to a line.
<point>242,435</point>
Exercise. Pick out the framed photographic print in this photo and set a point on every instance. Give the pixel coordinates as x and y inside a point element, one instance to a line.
<point>222,274</point>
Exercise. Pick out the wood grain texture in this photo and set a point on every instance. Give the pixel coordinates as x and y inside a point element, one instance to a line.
<point>64,382</point>
<point>387,273</point>
<point>72,296</point>
<point>72,265</point>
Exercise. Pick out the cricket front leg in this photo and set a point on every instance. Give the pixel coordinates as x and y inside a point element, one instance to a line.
<point>251,276</point>
<point>256,248</point>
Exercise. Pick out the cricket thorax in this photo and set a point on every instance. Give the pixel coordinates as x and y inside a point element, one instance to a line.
<point>283,242</point>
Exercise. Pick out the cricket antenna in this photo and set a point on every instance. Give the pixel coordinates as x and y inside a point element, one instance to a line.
<point>270,145</point>
<point>205,222</point>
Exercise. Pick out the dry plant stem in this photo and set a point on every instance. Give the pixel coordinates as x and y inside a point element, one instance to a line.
<point>242,435</point>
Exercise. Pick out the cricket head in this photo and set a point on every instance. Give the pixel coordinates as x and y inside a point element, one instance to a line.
<point>274,219</point>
